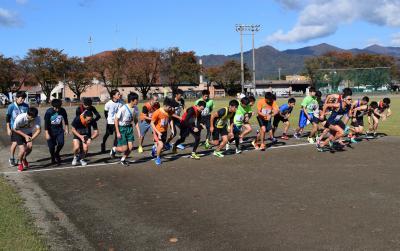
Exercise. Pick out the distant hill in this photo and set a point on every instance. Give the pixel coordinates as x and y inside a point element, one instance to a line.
<point>269,59</point>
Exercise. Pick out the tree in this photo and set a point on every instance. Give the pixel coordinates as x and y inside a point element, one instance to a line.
<point>8,71</point>
<point>212,75</point>
<point>179,67</point>
<point>142,70</point>
<point>109,68</point>
<point>230,76</point>
<point>47,67</point>
<point>78,77</point>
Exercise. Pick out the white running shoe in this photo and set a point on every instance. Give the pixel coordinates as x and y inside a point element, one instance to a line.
<point>83,162</point>
<point>75,161</point>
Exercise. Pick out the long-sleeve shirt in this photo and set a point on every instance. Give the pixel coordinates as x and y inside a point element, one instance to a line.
<point>80,109</point>
<point>53,121</point>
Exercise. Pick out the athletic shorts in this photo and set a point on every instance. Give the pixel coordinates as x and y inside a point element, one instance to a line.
<point>205,120</point>
<point>126,135</point>
<point>80,141</point>
<point>277,119</point>
<point>303,119</point>
<point>219,132</point>
<point>335,122</point>
<point>144,127</point>
<point>110,129</point>
<point>163,137</point>
<point>21,140</point>
<point>237,129</point>
<point>359,122</point>
<point>266,123</point>
<point>13,137</point>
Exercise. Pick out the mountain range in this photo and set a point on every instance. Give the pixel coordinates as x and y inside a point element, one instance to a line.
<point>269,59</point>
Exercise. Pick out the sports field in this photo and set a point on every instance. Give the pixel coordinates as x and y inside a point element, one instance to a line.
<point>289,197</point>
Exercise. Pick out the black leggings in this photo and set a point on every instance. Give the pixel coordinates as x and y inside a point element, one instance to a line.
<point>55,144</point>
<point>110,131</point>
<point>185,133</point>
<point>205,120</point>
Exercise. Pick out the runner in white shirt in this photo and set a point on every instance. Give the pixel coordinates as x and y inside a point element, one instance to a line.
<point>125,119</point>
<point>23,127</point>
<point>110,109</point>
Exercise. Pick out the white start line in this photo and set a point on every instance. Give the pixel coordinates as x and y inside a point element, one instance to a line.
<point>132,161</point>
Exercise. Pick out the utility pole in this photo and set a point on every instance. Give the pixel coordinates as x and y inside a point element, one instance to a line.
<point>253,28</point>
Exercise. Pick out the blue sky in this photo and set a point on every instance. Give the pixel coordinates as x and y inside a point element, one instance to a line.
<point>206,27</point>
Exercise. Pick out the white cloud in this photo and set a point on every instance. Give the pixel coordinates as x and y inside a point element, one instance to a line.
<point>321,18</point>
<point>395,39</point>
<point>9,18</point>
<point>290,4</point>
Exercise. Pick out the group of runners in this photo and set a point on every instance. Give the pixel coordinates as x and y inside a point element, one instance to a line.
<point>337,120</point>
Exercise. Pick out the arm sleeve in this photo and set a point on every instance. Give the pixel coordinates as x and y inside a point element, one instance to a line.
<point>145,110</point>
<point>78,111</point>
<point>8,114</point>
<point>97,115</point>
<point>47,121</point>
<point>65,115</point>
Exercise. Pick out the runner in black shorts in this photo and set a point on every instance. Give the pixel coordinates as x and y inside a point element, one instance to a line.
<point>219,126</point>
<point>83,136</point>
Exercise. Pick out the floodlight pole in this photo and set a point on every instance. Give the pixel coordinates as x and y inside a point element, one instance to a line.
<point>253,28</point>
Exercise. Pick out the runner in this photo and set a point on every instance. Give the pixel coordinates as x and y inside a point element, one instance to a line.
<point>190,124</point>
<point>54,119</point>
<point>178,105</point>
<point>145,118</point>
<point>221,124</point>
<point>334,124</point>
<point>82,130</point>
<point>359,110</point>
<point>13,111</point>
<point>381,111</point>
<point>159,123</point>
<point>266,109</point>
<point>240,129</point>
<point>87,105</point>
<point>283,115</point>
<point>23,127</point>
<point>308,107</point>
<point>206,114</point>
<point>124,120</point>
<point>110,109</point>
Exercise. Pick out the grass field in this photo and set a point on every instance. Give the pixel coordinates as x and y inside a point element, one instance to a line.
<point>16,229</point>
<point>390,126</point>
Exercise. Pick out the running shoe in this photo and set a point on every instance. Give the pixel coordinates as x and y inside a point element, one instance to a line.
<point>180,147</point>
<point>124,163</point>
<point>195,156</point>
<point>330,143</point>
<point>238,151</point>
<point>12,162</point>
<point>103,148</point>
<point>241,141</point>
<point>153,151</point>
<point>353,140</point>
<point>75,161</point>
<point>273,140</point>
<point>255,145</point>
<point>296,135</point>
<point>311,140</point>
<point>112,153</point>
<point>158,161</point>
<point>83,162</point>
<point>227,147</point>
<point>140,149</point>
<point>207,145</point>
<point>285,137</point>
<point>262,147</point>
<point>173,150</point>
<point>25,163</point>
<point>20,167</point>
<point>167,146</point>
<point>218,154</point>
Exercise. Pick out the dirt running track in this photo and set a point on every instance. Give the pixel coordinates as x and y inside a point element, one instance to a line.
<point>291,198</point>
